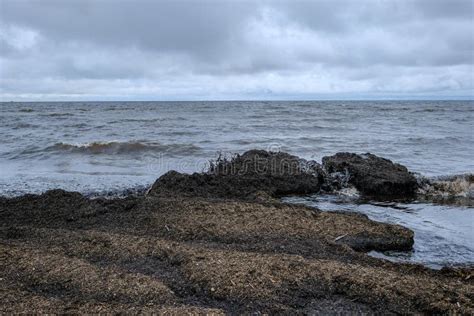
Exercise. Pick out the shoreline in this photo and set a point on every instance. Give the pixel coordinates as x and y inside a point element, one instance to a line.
<point>221,242</point>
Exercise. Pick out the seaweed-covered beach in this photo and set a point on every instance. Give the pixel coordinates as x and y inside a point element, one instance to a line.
<point>221,242</point>
<point>222,157</point>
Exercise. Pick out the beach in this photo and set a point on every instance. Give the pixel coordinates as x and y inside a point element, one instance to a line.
<point>220,242</point>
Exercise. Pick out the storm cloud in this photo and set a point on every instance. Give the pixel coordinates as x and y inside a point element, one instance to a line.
<point>160,50</point>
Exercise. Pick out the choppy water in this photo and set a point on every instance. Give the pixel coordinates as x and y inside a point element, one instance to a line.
<point>104,146</point>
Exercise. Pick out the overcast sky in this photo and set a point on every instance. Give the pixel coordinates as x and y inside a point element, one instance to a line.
<point>203,50</point>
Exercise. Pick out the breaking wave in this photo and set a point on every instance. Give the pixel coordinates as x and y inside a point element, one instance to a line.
<point>128,147</point>
<point>445,188</point>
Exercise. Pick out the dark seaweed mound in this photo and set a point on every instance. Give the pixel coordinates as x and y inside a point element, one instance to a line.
<point>254,173</point>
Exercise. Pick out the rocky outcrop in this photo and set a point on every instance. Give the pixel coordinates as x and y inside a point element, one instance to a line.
<point>373,176</point>
<point>254,174</point>
<point>258,174</point>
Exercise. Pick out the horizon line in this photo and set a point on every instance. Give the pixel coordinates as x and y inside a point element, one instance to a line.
<point>244,100</point>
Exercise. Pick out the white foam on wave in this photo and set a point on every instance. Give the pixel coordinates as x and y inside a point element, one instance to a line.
<point>457,186</point>
<point>121,147</point>
<point>350,192</point>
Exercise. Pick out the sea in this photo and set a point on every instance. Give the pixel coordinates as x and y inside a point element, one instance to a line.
<point>99,148</point>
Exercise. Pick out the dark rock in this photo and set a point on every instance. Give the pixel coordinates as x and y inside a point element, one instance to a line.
<point>250,175</point>
<point>372,175</point>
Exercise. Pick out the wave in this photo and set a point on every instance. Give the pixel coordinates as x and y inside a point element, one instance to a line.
<point>430,110</point>
<point>448,187</point>
<point>428,140</point>
<point>77,125</point>
<point>27,110</point>
<point>57,114</point>
<point>137,120</point>
<point>392,109</point>
<point>349,192</point>
<point>24,126</point>
<point>128,147</point>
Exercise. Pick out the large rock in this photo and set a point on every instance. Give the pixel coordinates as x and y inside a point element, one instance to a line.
<point>372,175</point>
<point>254,174</point>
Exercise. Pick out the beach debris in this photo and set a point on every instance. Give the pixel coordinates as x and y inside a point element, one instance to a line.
<point>340,237</point>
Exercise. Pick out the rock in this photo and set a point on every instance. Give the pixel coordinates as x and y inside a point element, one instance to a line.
<point>372,175</point>
<point>254,173</point>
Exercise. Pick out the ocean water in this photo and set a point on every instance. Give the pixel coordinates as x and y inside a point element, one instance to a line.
<point>110,146</point>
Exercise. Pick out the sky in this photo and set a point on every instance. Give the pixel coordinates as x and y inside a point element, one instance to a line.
<point>227,50</point>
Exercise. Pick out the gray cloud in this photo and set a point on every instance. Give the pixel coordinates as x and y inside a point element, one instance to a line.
<point>56,49</point>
